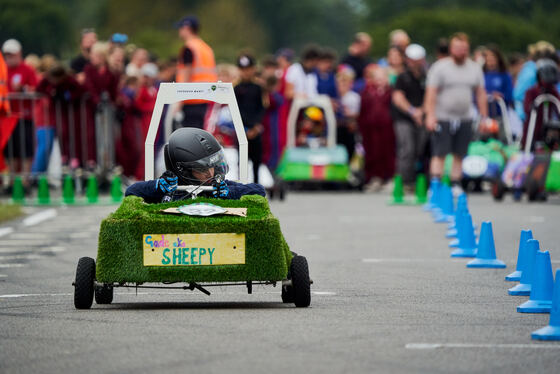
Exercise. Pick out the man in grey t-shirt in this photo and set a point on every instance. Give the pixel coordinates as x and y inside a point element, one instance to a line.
<point>451,85</point>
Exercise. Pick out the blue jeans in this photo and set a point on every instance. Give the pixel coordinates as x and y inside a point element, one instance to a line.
<point>45,140</point>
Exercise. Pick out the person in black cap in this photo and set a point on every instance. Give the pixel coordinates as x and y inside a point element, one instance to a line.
<point>193,157</point>
<point>250,100</point>
<point>196,64</point>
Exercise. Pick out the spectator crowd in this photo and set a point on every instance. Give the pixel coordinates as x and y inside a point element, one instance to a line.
<point>400,114</point>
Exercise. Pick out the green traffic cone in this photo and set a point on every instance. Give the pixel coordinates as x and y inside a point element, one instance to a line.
<point>446,180</point>
<point>116,190</point>
<point>92,190</point>
<point>398,191</point>
<point>18,194</point>
<point>421,189</point>
<point>43,192</point>
<point>68,190</point>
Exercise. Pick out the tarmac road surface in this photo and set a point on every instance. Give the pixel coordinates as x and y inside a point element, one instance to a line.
<point>386,298</point>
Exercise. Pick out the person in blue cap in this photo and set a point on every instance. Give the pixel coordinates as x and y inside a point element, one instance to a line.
<point>192,157</point>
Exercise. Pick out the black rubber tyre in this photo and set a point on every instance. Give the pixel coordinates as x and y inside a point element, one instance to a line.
<point>533,189</point>
<point>104,294</point>
<point>287,294</point>
<point>300,281</point>
<point>498,190</point>
<point>84,283</point>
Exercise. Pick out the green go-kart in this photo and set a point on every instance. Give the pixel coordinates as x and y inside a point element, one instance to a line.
<point>316,160</point>
<point>192,244</point>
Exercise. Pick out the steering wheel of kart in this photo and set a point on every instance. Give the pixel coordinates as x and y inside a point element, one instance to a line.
<point>202,188</point>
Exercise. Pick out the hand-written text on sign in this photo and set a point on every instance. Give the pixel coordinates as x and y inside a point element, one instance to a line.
<point>193,249</point>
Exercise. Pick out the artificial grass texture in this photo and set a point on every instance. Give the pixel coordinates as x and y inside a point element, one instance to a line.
<point>9,211</point>
<point>120,252</point>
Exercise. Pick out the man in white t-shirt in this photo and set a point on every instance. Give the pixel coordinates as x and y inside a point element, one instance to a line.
<point>451,85</point>
<point>301,82</point>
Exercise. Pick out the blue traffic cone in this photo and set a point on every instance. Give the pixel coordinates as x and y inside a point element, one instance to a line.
<point>524,286</point>
<point>467,242</point>
<point>552,331</point>
<point>452,231</point>
<point>486,254</point>
<point>447,206</point>
<point>541,286</point>
<point>434,190</point>
<point>521,256</point>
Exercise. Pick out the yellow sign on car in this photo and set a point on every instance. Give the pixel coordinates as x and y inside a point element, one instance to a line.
<point>193,249</point>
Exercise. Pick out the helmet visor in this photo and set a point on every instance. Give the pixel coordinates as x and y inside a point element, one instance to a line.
<point>207,169</point>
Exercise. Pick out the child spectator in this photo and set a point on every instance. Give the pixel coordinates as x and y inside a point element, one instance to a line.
<point>376,126</point>
<point>325,73</point>
<point>250,99</point>
<point>348,109</point>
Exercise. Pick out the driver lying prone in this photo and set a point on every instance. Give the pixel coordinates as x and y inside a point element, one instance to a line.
<point>192,157</point>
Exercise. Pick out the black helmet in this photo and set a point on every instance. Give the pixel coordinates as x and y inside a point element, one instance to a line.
<point>547,71</point>
<point>191,149</point>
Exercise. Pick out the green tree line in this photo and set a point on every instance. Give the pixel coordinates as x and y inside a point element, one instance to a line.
<point>44,26</point>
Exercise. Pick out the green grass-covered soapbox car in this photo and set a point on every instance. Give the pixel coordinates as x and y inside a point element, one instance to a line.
<point>217,243</point>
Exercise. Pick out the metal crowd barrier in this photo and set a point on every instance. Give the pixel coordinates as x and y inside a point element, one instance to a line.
<point>42,121</point>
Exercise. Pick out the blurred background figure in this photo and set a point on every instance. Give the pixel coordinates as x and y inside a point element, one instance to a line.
<point>399,38</point>
<point>498,83</point>
<point>196,64</point>
<point>408,113</point>
<point>358,58</point>
<point>347,109</point>
<point>301,80</point>
<point>250,99</point>
<point>451,84</point>
<point>325,73</point>
<point>21,79</point>
<point>376,128</point>
<point>88,38</point>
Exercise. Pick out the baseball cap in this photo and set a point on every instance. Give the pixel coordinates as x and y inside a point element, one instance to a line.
<point>11,46</point>
<point>119,38</point>
<point>190,21</point>
<point>245,61</point>
<point>415,52</point>
<point>150,70</point>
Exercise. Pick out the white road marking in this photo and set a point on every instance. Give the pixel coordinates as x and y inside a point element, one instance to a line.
<point>40,217</point>
<point>11,266</point>
<point>14,296</point>
<point>22,242</point>
<point>5,231</point>
<point>379,260</point>
<point>28,235</point>
<point>29,256</point>
<point>536,219</point>
<point>3,276</point>
<point>39,250</point>
<point>323,293</point>
<point>81,235</point>
<point>474,345</point>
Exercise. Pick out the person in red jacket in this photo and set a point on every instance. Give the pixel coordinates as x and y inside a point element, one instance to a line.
<point>21,79</point>
<point>376,127</point>
<point>102,86</point>
<point>144,103</point>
